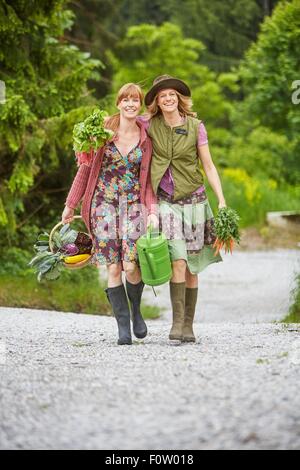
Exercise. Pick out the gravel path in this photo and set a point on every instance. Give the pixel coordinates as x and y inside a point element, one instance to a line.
<point>65,384</point>
<point>246,287</point>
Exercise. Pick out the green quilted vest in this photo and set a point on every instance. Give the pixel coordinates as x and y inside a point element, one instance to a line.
<point>176,147</point>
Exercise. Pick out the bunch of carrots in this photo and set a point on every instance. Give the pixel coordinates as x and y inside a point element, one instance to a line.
<point>227,230</point>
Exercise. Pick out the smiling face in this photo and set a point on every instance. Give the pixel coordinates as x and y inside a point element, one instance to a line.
<point>129,106</point>
<point>167,100</point>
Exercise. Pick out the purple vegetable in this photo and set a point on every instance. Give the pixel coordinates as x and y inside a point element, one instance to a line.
<point>70,249</point>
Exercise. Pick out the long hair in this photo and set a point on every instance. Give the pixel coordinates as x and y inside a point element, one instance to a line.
<point>185,105</point>
<point>129,90</point>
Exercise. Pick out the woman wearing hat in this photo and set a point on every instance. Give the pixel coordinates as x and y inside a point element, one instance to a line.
<point>115,185</point>
<point>179,143</point>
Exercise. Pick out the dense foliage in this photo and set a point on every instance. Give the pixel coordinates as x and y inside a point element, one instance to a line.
<point>59,59</point>
<point>268,114</point>
<point>45,80</point>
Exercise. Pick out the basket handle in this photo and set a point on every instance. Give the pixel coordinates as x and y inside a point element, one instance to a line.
<point>51,245</point>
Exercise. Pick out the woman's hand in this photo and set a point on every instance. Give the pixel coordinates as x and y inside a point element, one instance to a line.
<point>153,220</point>
<point>67,215</point>
<point>222,204</point>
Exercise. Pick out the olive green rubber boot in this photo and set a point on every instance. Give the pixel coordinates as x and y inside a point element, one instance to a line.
<point>191,295</point>
<point>177,294</point>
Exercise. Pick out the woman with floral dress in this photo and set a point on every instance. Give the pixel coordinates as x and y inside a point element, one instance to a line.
<point>118,202</point>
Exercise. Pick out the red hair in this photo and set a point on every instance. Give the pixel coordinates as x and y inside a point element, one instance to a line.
<point>129,90</point>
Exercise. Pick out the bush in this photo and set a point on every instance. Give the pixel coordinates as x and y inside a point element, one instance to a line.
<point>15,262</point>
<point>253,197</point>
<point>262,153</point>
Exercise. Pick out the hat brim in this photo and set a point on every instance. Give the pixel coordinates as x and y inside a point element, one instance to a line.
<point>174,83</point>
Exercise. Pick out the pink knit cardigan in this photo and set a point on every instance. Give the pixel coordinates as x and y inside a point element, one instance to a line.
<point>85,181</point>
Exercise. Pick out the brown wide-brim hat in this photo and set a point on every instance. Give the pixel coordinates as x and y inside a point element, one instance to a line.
<point>164,82</point>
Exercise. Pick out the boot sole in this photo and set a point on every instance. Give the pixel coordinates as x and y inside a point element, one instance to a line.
<point>120,343</point>
<point>175,338</point>
<point>140,336</point>
<point>188,340</point>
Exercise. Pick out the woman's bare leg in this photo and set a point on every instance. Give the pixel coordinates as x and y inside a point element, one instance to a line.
<point>179,270</point>
<point>114,274</point>
<point>191,279</point>
<point>132,272</point>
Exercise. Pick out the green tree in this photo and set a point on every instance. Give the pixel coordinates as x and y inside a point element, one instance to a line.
<point>226,28</point>
<point>135,12</point>
<point>268,72</point>
<point>46,94</point>
<point>148,51</point>
<point>97,27</point>
<point>261,153</point>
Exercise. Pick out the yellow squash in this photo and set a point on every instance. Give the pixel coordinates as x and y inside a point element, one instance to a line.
<point>76,258</point>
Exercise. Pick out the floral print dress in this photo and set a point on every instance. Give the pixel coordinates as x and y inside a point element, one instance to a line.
<point>116,215</point>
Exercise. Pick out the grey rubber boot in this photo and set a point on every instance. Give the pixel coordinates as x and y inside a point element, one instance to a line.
<point>191,295</point>
<point>118,300</point>
<point>177,293</point>
<point>134,292</point>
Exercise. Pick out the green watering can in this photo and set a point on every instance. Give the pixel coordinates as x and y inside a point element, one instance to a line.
<point>154,258</point>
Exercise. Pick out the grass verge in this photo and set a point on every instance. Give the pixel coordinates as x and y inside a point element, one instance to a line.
<point>294,311</point>
<point>77,291</point>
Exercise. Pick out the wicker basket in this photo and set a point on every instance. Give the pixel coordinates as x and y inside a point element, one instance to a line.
<point>79,265</point>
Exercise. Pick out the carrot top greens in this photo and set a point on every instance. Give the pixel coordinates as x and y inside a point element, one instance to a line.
<point>227,229</point>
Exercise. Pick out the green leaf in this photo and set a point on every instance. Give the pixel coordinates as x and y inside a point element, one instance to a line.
<point>53,274</point>
<point>69,237</point>
<point>64,229</point>
<point>226,224</point>
<point>57,240</point>
<point>90,133</point>
<point>42,243</point>
<point>43,237</point>
<point>40,249</point>
<point>38,258</point>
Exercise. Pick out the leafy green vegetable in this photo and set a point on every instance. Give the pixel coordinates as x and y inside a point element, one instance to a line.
<point>227,224</point>
<point>227,229</point>
<point>90,133</point>
<point>54,272</point>
<point>69,236</point>
<point>48,265</point>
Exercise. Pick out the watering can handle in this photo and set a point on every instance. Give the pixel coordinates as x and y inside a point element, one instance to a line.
<point>149,230</point>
